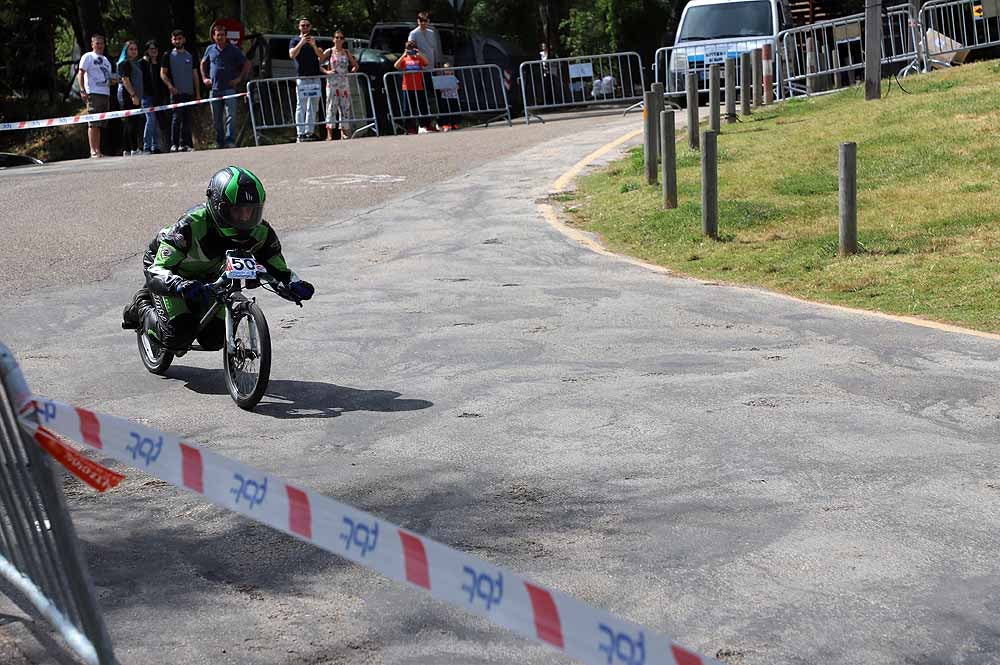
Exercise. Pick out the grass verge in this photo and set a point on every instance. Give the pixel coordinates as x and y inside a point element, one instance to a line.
<point>928,195</point>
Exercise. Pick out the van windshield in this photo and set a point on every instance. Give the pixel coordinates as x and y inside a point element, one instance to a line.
<point>727,20</point>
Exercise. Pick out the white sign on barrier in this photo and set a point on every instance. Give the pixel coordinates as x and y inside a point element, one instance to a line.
<point>583,70</point>
<point>309,89</point>
<point>445,82</point>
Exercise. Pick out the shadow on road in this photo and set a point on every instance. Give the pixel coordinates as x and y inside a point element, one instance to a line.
<point>302,399</point>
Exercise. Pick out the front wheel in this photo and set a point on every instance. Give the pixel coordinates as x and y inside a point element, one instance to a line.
<point>156,358</point>
<point>248,364</point>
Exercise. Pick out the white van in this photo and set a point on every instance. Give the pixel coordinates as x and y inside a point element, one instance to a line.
<point>712,30</point>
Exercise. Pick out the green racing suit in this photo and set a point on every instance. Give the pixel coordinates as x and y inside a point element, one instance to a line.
<point>192,248</point>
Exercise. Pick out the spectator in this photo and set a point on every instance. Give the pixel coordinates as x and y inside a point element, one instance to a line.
<point>340,63</point>
<point>223,68</point>
<point>414,95</point>
<point>427,40</point>
<point>180,75</point>
<point>450,104</point>
<point>303,50</point>
<point>130,97</point>
<point>94,77</point>
<point>429,43</point>
<point>152,95</point>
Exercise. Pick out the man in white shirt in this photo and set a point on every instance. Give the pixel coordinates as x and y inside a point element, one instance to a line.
<point>95,77</point>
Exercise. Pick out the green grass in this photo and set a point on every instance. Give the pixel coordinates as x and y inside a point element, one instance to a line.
<point>928,202</point>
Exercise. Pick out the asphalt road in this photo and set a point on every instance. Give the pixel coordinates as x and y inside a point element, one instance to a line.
<point>766,480</point>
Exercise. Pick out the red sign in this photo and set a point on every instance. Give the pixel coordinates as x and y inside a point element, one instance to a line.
<point>234,30</point>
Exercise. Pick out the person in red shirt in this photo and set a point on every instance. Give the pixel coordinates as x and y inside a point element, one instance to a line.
<point>412,62</point>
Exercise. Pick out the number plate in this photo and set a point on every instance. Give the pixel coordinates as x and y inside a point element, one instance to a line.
<point>242,267</point>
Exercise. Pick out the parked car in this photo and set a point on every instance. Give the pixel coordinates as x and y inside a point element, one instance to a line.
<point>459,48</point>
<point>9,160</point>
<point>709,31</point>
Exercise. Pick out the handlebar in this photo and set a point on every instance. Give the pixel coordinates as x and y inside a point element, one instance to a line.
<point>264,278</point>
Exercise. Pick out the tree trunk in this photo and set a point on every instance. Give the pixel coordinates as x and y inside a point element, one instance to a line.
<point>89,12</point>
<point>182,14</point>
<point>150,20</point>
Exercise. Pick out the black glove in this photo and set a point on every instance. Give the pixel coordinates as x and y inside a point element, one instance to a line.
<point>301,289</point>
<point>197,292</point>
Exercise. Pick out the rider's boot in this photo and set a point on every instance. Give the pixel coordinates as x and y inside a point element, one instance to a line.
<point>133,314</point>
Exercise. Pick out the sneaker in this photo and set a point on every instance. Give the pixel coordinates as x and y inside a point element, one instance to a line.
<point>445,128</point>
<point>133,313</point>
<point>300,139</point>
<point>229,145</point>
<point>422,130</point>
<point>185,148</point>
<point>174,148</point>
<point>126,153</point>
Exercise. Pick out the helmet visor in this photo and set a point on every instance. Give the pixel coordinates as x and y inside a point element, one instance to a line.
<point>245,217</point>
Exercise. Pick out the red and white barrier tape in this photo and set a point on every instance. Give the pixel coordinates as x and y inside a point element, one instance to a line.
<point>107,115</point>
<point>587,634</point>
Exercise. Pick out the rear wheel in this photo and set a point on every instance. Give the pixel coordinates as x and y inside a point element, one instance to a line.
<point>248,364</point>
<point>156,358</point>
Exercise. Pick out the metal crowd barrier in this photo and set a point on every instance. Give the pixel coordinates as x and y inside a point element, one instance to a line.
<point>830,54</point>
<point>449,92</point>
<point>613,78</point>
<point>953,26</point>
<point>40,563</point>
<point>273,102</point>
<point>671,64</point>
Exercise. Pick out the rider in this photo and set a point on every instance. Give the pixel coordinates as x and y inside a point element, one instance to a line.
<point>184,256</point>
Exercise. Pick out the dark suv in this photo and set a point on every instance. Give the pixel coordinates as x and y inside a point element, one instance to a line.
<point>459,46</point>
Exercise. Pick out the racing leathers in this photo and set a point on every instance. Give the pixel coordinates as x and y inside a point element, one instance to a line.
<point>193,249</point>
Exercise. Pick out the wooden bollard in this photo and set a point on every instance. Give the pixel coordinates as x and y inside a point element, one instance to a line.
<point>668,150</point>
<point>709,185</point>
<point>713,99</point>
<point>848,199</point>
<point>692,109</point>
<point>649,137</point>
<point>746,74</point>
<point>657,90</point>
<point>767,54</point>
<point>758,78</point>
<point>730,90</point>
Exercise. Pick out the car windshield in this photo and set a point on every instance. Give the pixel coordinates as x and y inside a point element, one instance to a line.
<point>728,20</point>
<point>390,38</point>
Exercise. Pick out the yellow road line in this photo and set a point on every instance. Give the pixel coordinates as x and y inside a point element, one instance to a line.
<point>591,242</point>
<point>565,178</point>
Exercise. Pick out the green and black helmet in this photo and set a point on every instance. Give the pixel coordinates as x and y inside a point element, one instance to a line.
<point>235,202</point>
